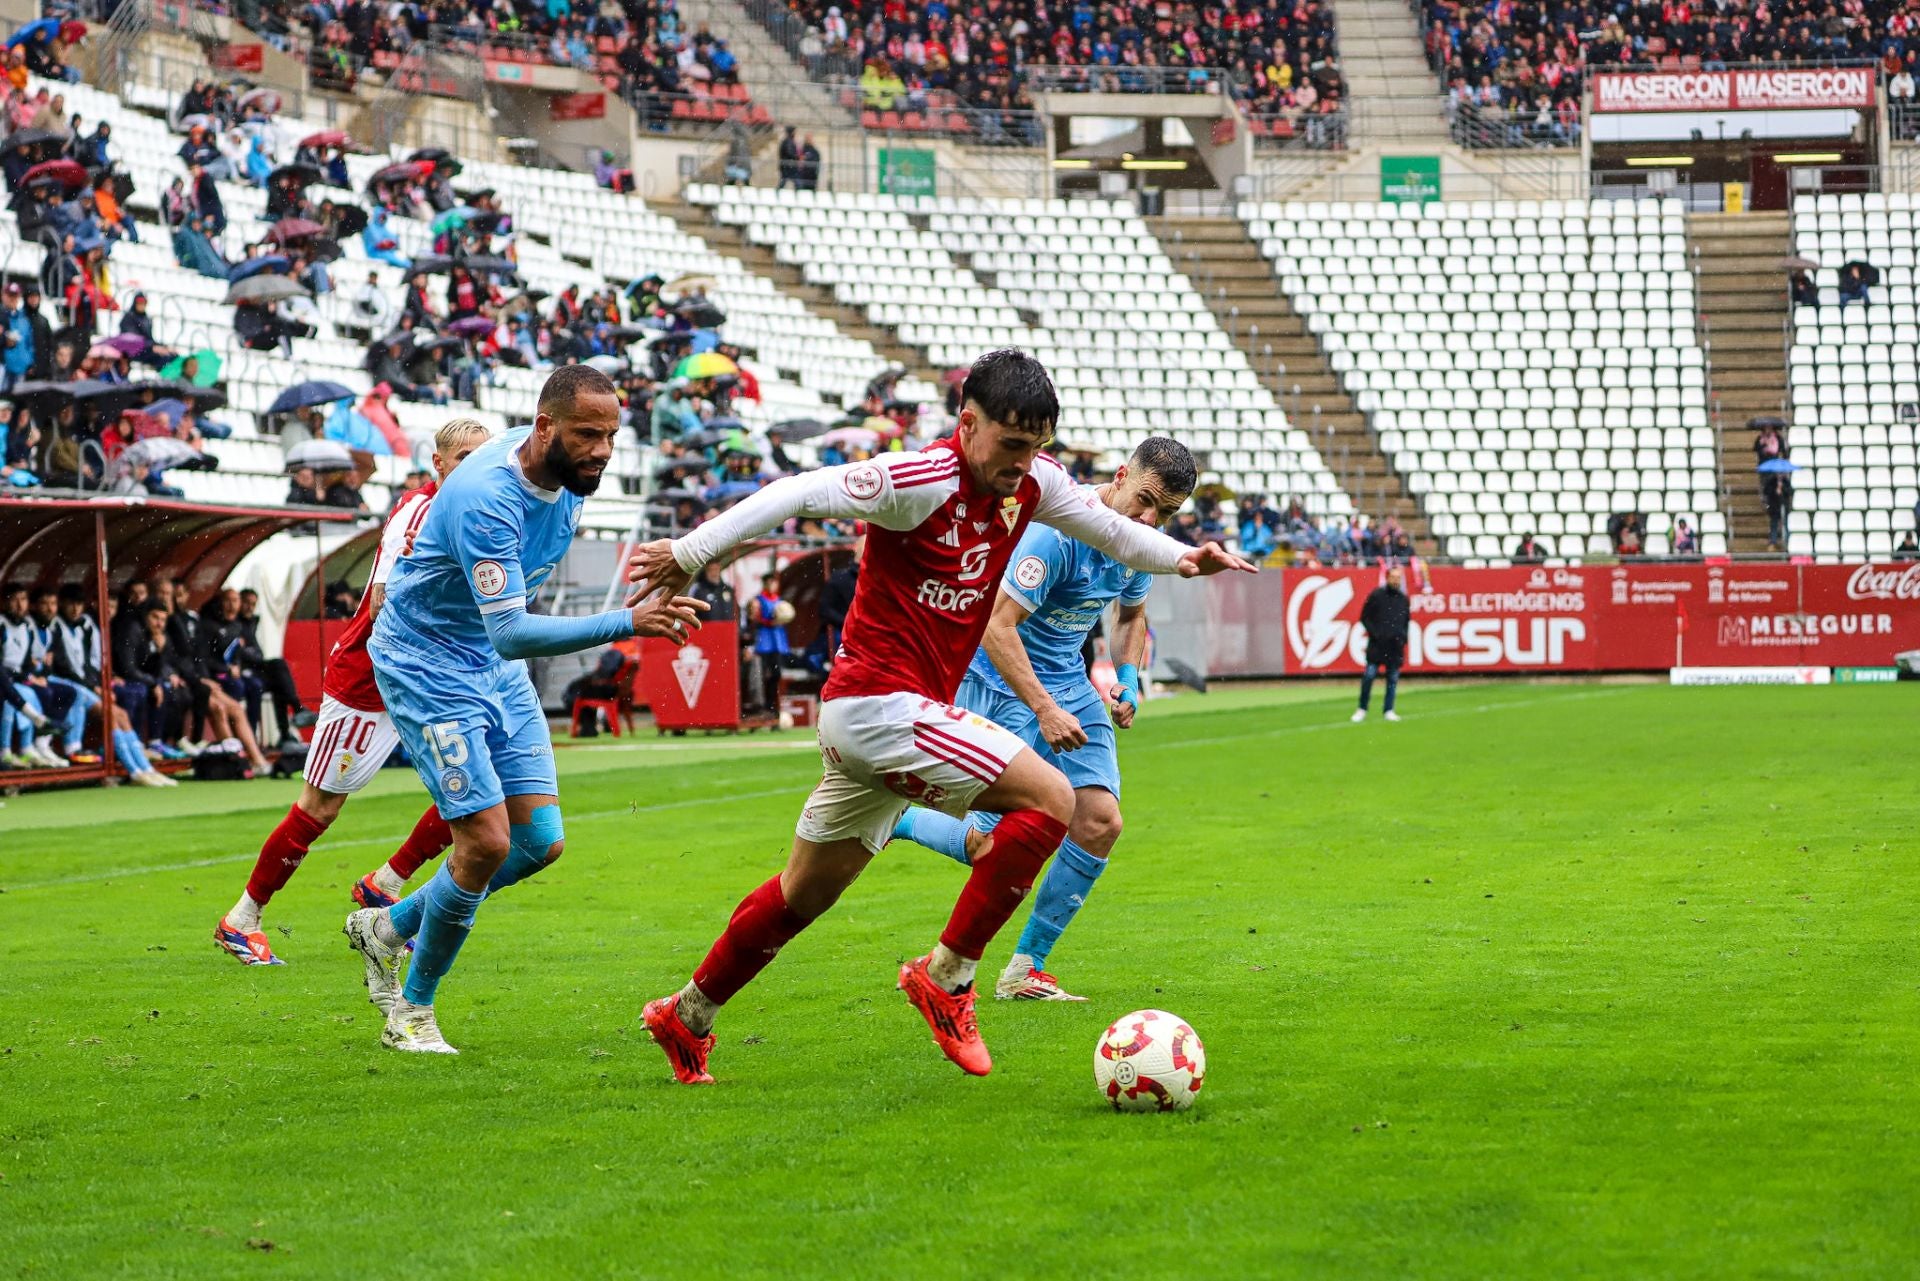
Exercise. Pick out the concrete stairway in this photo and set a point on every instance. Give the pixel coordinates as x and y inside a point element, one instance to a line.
<point>1226,266</point>
<point>789,280</point>
<point>1743,316</point>
<point>1394,93</point>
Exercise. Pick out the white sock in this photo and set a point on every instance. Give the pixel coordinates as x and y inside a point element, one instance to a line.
<point>388,881</point>
<point>695,1010</point>
<point>245,915</point>
<point>949,969</point>
<point>45,744</point>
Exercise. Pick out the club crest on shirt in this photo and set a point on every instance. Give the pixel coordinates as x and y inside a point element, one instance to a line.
<point>863,482</point>
<point>489,578</point>
<point>1009,512</point>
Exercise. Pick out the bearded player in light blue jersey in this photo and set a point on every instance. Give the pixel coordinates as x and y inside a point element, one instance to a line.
<point>1029,677</point>
<point>446,652</point>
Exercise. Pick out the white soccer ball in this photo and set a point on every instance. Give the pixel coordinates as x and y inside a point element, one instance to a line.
<point>1149,1061</point>
<point>782,613</point>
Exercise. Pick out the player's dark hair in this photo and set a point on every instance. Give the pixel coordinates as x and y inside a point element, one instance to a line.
<point>73,592</point>
<point>9,589</point>
<point>565,385</point>
<point>1169,461</point>
<point>1011,387</point>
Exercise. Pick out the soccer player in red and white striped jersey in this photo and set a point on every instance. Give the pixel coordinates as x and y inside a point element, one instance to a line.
<point>351,741</point>
<point>941,526</point>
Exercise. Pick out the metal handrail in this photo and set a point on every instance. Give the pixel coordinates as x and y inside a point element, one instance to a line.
<point>1120,78</point>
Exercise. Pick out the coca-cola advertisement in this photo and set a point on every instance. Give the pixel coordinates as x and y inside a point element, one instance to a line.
<point>1599,618</point>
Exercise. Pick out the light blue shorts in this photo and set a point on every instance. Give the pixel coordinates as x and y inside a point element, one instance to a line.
<point>476,738</point>
<point>1097,764</point>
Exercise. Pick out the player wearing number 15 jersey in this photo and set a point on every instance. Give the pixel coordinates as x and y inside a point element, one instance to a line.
<point>351,741</point>
<point>447,651</point>
<point>941,527</point>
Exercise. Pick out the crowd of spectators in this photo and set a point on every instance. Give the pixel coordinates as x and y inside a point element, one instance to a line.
<point>1263,529</point>
<point>1277,57</point>
<point>1514,72</point>
<point>186,682</point>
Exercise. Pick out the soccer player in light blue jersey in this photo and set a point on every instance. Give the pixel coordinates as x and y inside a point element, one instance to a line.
<point>1029,676</point>
<point>446,653</point>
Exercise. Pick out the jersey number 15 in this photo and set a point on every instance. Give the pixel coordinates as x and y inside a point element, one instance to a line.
<point>445,744</point>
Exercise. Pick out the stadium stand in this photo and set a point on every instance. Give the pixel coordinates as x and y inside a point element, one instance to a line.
<point>602,233</point>
<point>916,61</point>
<point>1084,284</point>
<point>1528,367</point>
<point>1854,380</point>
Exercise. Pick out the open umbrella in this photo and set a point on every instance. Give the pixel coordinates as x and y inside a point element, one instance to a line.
<point>328,138</point>
<point>39,31</point>
<point>304,395</point>
<point>32,138</point>
<point>701,314</point>
<point>727,491</point>
<point>198,120</point>
<point>103,351</point>
<point>471,327</point>
<point>430,265</point>
<point>704,439</point>
<point>201,398</point>
<point>321,455</point>
<point>1776,465</point>
<point>404,172</point>
<point>128,345</point>
<point>1794,262</point>
<point>105,398</point>
<point>171,409</point>
<point>675,468</point>
<point>799,429</point>
<point>850,438</point>
<point>288,230</point>
<point>262,99</point>
<point>348,220</point>
<point>457,216</point>
<point>68,173</point>
<point>608,365</point>
<point>157,452</point>
<point>488,265</point>
<point>708,364</point>
<point>206,367</point>
<point>674,497</point>
<point>1760,422</point>
<point>305,173</point>
<point>265,289</point>
<point>432,155</point>
<point>247,268</point>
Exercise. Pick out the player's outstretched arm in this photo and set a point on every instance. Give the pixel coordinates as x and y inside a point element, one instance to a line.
<point>863,490</point>
<point>1071,510</point>
<point>1008,653</point>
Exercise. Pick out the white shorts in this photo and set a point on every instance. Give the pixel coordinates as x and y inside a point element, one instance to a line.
<point>884,752</point>
<point>349,747</point>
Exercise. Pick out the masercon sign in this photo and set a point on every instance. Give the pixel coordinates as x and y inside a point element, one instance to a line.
<point>1784,89</point>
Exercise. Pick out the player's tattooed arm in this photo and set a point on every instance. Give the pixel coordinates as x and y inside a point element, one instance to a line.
<point>1008,654</point>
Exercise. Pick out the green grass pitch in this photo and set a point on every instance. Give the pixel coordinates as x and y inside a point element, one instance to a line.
<point>1549,981</point>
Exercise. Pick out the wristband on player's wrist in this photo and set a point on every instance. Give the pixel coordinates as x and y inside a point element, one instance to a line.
<point>1129,677</point>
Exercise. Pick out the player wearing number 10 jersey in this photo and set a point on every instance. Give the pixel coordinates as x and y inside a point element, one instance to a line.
<point>446,655</point>
<point>351,741</point>
<point>941,527</point>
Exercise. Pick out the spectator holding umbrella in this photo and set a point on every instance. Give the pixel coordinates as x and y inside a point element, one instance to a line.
<point>1385,616</point>
<point>1855,279</point>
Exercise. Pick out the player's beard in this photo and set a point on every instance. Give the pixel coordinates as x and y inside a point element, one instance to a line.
<point>572,479</point>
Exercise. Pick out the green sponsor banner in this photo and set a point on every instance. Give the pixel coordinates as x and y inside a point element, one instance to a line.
<point>1409,179</point>
<point>906,172</point>
<point>1865,675</point>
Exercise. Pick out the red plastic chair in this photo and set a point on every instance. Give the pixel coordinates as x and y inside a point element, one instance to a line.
<point>609,706</point>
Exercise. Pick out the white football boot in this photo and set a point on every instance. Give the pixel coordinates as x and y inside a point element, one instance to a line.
<point>1359,714</point>
<point>1394,717</point>
<point>412,1028</point>
<point>1020,981</point>
<point>382,962</point>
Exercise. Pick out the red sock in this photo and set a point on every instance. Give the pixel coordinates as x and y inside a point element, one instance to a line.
<point>430,836</point>
<point>280,857</point>
<point>1001,878</point>
<point>761,926</point>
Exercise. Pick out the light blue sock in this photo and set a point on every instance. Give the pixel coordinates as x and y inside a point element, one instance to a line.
<point>447,916</point>
<point>941,833</point>
<point>132,756</point>
<point>1063,892</point>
